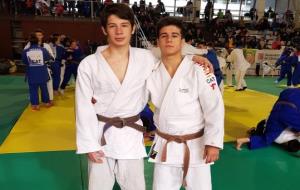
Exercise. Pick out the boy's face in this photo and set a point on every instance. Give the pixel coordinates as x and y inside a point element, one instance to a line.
<point>73,45</point>
<point>170,40</point>
<point>118,31</point>
<point>39,36</point>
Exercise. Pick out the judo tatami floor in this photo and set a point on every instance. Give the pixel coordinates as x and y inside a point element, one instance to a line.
<point>39,151</point>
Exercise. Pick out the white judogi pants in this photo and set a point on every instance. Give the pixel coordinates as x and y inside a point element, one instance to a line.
<point>128,173</point>
<point>228,76</point>
<point>168,177</point>
<point>239,78</point>
<point>62,71</point>
<point>286,135</point>
<point>50,85</point>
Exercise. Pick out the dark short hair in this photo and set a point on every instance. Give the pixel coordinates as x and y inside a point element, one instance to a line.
<point>118,9</point>
<point>54,37</point>
<point>188,37</point>
<point>168,21</point>
<point>33,39</point>
<point>202,43</point>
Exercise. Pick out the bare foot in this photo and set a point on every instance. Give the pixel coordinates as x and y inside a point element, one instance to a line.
<point>49,104</point>
<point>240,142</point>
<point>35,108</point>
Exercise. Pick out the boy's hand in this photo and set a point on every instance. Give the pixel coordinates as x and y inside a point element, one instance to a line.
<point>97,156</point>
<point>211,154</point>
<point>203,62</point>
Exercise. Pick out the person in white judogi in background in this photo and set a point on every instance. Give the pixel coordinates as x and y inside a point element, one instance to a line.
<point>110,94</point>
<point>227,67</point>
<point>240,67</point>
<point>189,115</point>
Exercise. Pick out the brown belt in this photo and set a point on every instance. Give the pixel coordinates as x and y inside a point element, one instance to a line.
<point>119,123</point>
<point>179,139</point>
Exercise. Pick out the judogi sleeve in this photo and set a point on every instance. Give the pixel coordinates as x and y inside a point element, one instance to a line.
<point>191,50</point>
<point>212,107</point>
<point>47,56</point>
<point>87,127</point>
<point>24,58</point>
<point>48,48</point>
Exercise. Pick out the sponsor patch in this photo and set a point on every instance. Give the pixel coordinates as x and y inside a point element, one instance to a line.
<point>35,57</point>
<point>183,90</point>
<point>213,85</point>
<point>211,81</point>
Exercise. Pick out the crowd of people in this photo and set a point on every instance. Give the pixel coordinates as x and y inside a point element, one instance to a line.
<point>225,51</point>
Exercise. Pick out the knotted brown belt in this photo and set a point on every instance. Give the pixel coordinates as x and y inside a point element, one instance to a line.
<point>179,139</point>
<point>119,123</point>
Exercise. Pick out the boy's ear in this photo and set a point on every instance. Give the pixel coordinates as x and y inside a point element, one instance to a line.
<point>103,30</point>
<point>133,29</point>
<point>182,42</point>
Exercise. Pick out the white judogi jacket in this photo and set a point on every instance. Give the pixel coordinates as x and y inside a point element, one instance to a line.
<point>185,104</point>
<point>96,79</point>
<point>238,59</point>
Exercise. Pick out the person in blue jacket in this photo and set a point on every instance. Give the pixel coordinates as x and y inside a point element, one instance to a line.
<point>282,125</point>
<point>147,118</point>
<point>295,61</point>
<point>73,57</point>
<point>59,52</point>
<point>35,58</point>
<point>286,66</point>
<point>212,57</point>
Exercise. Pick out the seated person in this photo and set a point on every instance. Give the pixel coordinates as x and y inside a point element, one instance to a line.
<point>283,124</point>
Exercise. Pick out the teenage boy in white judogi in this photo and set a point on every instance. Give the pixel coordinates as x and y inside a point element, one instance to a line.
<point>110,93</point>
<point>240,66</point>
<point>189,115</point>
<point>115,78</point>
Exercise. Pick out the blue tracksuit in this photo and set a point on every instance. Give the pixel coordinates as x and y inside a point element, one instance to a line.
<point>73,60</point>
<point>36,72</point>
<point>285,114</point>
<point>286,68</point>
<point>212,57</point>
<point>296,74</point>
<point>55,67</point>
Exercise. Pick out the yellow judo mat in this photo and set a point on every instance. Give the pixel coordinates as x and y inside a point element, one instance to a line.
<point>53,129</point>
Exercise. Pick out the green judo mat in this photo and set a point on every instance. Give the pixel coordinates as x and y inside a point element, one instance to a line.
<point>13,100</point>
<point>268,168</point>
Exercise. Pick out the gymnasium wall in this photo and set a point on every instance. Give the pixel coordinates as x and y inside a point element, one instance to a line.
<point>76,29</point>
<point>5,39</point>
